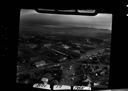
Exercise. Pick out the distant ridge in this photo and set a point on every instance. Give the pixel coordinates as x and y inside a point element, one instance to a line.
<point>77,31</point>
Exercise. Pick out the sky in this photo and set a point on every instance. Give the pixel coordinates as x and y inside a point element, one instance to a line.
<point>100,21</point>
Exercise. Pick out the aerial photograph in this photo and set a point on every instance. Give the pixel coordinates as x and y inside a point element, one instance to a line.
<point>60,49</point>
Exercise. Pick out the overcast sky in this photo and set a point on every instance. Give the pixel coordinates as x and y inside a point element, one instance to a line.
<point>101,21</point>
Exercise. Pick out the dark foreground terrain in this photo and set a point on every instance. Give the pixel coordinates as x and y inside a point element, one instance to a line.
<point>64,60</point>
